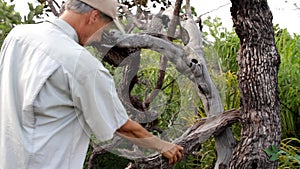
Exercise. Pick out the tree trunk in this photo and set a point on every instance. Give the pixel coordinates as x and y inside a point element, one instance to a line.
<point>258,61</point>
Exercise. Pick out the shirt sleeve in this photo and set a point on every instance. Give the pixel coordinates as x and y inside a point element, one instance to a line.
<point>94,94</point>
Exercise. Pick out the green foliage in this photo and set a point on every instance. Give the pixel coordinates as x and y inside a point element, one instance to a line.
<point>207,154</point>
<point>107,161</point>
<point>288,155</point>
<point>9,18</point>
<point>193,10</point>
<point>34,14</point>
<point>168,101</point>
<point>273,152</point>
<point>288,81</point>
<point>203,158</point>
<point>227,84</point>
<point>225,43</point>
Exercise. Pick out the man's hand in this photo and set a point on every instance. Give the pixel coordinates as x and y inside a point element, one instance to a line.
<point>174,154</point>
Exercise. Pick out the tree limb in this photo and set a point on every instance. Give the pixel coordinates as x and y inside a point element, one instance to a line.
<point>193,137</point>
<point>53,9</point>
<point>207,90</point>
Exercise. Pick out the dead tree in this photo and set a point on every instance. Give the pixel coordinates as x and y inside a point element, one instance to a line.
<point>188,60</point>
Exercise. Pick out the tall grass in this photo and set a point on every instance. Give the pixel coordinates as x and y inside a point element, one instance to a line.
<point>290,156</point>
<point>288,81</point>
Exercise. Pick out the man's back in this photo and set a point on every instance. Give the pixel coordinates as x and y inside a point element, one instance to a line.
<point>32,131</point>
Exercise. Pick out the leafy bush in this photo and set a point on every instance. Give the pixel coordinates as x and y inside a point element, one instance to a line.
<point>288,81</point>
<point>222,43</point>
<point>203,158</point>
<point>106,161</point>
<point>9,17</point>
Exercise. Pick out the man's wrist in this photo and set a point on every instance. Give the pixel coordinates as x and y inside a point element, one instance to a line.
<point>162,146</point>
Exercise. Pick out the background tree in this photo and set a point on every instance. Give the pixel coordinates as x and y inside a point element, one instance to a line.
<point>258,61</point>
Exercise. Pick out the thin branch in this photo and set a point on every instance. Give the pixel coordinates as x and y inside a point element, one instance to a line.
<point>297,7</point>
<point>215,9</point>
<point>188,8</point>
<point>56,3</point>
<point>139,6</point>
<point>159,82</point>
<point>53,9</point>
<point>163,59</point>
<point>175,18</point>
<point>154,28</point>
<point>132,19</point>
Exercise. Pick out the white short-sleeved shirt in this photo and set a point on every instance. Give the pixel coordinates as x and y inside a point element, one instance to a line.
<point>53,95</point>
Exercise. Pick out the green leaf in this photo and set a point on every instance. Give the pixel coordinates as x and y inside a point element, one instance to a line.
<point>273,152</point>
<point>269,151</point>
<point>274,157</point>
<point>30,6</point>
<point>39,10</point>
<point>275,149</point>
<point>297,158</point>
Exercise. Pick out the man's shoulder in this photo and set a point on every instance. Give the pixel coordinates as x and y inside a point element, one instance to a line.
<point>43,32</point>
<point>29,29</point>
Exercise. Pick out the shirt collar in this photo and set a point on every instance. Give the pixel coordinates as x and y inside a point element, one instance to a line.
<point>66,28</point>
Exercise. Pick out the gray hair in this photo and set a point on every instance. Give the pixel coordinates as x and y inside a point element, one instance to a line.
<point>77,6</point>
<point>81,7</point>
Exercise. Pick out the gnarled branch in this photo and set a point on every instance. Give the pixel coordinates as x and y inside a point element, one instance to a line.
<point>193,137</point>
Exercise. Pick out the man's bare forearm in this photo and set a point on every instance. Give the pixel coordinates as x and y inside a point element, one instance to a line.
<point>138,135</point>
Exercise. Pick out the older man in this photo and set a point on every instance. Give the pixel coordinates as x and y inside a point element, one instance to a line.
<point>55,94</point>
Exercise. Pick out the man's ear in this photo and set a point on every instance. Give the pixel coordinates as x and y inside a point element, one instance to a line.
<point>94,16</point>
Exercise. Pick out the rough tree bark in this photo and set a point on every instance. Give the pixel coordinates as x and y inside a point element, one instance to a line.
<point>258,61</point>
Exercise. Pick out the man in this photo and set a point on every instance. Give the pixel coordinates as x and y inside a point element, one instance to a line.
<point>55,94</point>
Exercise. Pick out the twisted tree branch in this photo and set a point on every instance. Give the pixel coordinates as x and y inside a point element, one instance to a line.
<point>193,137</point>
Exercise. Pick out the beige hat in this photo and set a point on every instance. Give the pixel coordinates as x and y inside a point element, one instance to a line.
<point>109,8</point>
